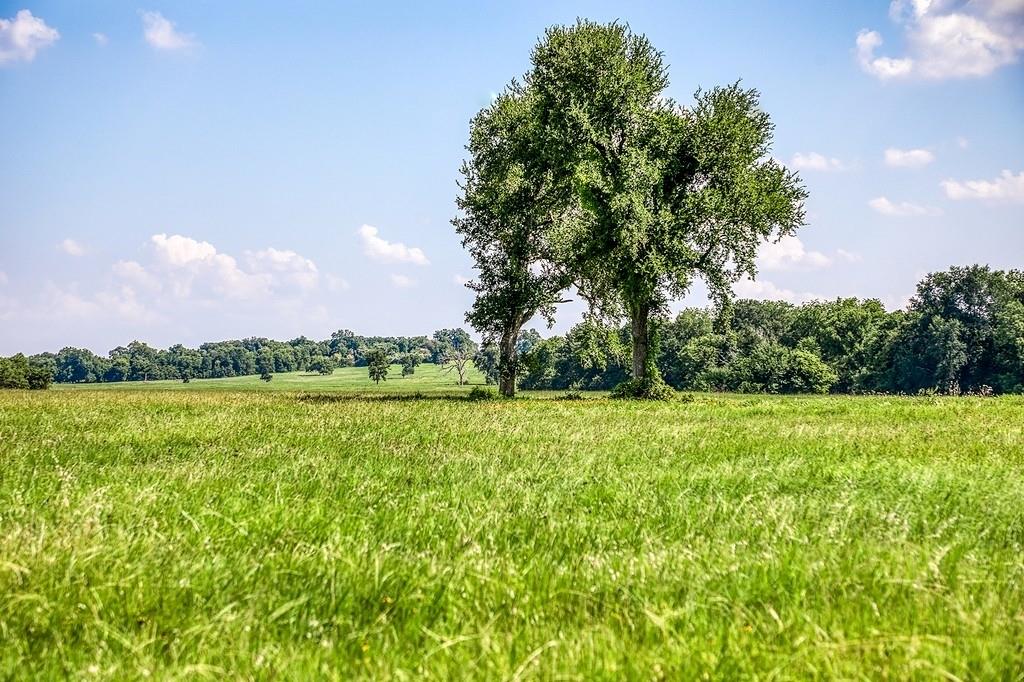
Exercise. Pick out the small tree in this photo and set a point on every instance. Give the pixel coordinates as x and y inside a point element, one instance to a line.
<point>378,363</point>
<point>456,351</point>
<point>487,360</point>
<point>409,363</point>
<point>266,376</point>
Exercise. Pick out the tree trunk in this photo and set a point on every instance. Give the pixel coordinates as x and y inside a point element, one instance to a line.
<point>640,329</point>
<point>507,363</point>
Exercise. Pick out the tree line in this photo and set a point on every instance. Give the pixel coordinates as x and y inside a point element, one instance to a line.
<point>963,331</point>
<point>452,349</point>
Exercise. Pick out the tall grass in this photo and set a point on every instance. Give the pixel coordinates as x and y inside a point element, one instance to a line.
<point>184,534</point>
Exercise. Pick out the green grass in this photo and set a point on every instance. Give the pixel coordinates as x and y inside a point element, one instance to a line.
<point>293,535</point>
<point>428,379</point>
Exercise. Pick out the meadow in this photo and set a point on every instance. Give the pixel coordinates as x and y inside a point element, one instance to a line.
<point>321,527</point>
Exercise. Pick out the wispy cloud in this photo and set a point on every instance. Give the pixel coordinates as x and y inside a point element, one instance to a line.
<point>71,247</point>
<point>816,162</point>
<point>162,33</point>
<point>908,158</point>
<point>902,208</point>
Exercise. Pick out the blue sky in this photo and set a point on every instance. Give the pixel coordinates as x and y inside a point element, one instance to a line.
<point>193,171</point>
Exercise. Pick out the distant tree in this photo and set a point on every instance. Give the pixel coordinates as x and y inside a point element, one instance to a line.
<point>962,331</point>
<point>488,361</point>
<point>14,372</point>
<point>266,376</point>
<point>39,372</point>
<point>186,376</point>
<point>265,363</point>
<point>409,362</point>
<point>321,364</point>
<point>78,365</point>
<point>142,360</point>
<point>119,370</point>
<point>456,351</point>
<point>378,363</point>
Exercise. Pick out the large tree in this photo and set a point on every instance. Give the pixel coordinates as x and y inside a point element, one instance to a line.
<point>668,193</point>
<point>509,203</point>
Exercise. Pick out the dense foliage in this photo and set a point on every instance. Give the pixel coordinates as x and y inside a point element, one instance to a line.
<point>586,174</point>
<point>963,331</point>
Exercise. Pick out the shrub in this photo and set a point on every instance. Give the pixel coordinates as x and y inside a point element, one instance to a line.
<point>481,393</point>
<point>648,388</point>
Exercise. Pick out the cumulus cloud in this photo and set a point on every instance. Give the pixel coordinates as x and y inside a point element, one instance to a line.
<point>383,251</point>
<point>767,291</point>
<point>22,36</point>
<point>789,253</point>
<point>903,208</point>
<point>197,264</point>
<point>948,39</point>
<point>71,247</point>
<point>1006,187</point>
<point>162,33</point>
<point>287,265</point>
<point>908,158</point>
<point>402,282</point>
<point>815,162</point>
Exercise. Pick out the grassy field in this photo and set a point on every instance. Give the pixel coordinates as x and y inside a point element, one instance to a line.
<point>428,379</point>
<point>297,534</point>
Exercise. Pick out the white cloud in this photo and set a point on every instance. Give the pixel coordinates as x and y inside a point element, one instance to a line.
<point>285,265</point>
<point>22,36</point>
<point>133,272</point>
<point>816,162</point>
<point>789,253</point>
<point>767,291</point>
<point>460,280</point>
<point>402,282</point>
<point>908,158</point>
<point>196,264</point>
<point>903,208</point>
<point>71,247</point>
<point>948,39</point>
<point>1006,187</point>
<point>383,251</point>
<point>100,38</point>
<point>162,34</point>
<point>882,67</point>
<point>849,256</point>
